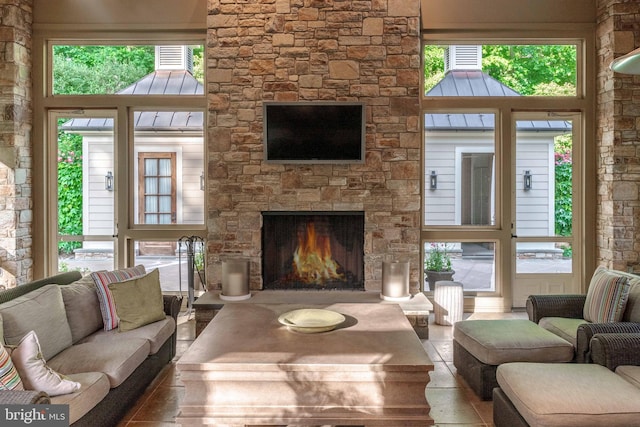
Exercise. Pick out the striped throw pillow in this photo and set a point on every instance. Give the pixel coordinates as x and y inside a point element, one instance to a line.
<point>9,377</point>
<point>107,305</point>
<point>607,297</point>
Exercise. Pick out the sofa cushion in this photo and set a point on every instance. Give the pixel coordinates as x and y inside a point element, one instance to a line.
<point>117,359</point>
<point>102,280</point>
<point>606,297</point>
<point>498,341</point>
<point>564,327</point>
<point>630,373</point>
<point>138,301</point>
<point>9,378</point>
<point>35,373</point>
<point>569,394</point>
<point>42,311</point>
<point>156,333</point>
<point>82,307</point>
<point>94,387</point>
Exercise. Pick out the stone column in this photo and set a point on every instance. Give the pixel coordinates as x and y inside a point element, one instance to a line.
<point>15,142</point>
<point>288,50</point>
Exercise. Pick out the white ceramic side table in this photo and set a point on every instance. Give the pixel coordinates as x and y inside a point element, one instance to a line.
<point>448,302</point>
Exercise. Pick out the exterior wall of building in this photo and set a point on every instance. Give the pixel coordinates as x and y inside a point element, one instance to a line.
<point>443,155</point>
<point>98,160</point>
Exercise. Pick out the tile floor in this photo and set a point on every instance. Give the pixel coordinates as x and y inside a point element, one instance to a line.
<point>452,402</point>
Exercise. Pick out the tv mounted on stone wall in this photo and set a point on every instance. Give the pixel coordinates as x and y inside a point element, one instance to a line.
<point>314,132</point>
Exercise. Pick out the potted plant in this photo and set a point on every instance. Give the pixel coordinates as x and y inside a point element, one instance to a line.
<point>437,265</point>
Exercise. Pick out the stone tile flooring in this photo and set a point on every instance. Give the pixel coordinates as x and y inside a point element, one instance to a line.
<point>452,402</point>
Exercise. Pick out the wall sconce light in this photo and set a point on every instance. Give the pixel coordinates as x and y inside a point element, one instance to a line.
<point>433,180</point>
<point>108,181</point>
<point>526,178</point>
<point>202,181</point>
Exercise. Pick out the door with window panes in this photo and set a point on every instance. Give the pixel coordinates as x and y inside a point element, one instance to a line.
<point>157,197</point>
<point>545,249</point>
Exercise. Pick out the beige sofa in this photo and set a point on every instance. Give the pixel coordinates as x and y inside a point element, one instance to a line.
<point>114,368</point>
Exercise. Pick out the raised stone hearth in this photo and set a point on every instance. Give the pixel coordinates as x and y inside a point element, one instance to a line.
<point>416,309</point>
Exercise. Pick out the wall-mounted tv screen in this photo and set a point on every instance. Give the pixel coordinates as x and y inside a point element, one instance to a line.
<point>314,132</point>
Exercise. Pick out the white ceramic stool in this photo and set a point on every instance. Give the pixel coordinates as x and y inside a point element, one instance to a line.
<point>448,302</point>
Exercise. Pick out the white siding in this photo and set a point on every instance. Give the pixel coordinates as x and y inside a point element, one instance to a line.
<point>535,210</point>
<point>98,210</point>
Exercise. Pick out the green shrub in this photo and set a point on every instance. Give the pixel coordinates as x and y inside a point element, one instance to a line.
<point>563,201</point>
<point>69,189</point>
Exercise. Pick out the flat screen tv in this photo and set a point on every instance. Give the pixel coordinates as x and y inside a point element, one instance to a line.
<point>314,132</point>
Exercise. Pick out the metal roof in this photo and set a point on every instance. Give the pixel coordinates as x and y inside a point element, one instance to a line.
<point>458,83</point>
<point>165,82</point>
<point>160,82</point>
<point>470,83</point>
<point>485,122</point>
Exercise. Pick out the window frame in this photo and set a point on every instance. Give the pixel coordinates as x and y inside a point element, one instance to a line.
<point>124,106</point>
<point>583,102</point>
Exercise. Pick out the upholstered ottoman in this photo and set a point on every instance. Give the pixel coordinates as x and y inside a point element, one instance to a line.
<point>563,395</point>
<point>479,346</point>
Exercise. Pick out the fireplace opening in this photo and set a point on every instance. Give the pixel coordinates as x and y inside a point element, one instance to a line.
<point>313,250</point>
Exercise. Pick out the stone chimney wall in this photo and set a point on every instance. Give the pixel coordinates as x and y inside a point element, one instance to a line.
<point>295,50</point>
<point>15,143</point>
<point>618,154</point>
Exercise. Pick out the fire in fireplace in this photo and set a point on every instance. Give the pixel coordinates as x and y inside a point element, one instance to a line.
<point>313,250</point>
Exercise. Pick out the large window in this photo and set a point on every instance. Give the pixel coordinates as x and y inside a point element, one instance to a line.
<point>130,175</point>
<point>502,188</point>
<point>113,69</point>
<point>500,70</point>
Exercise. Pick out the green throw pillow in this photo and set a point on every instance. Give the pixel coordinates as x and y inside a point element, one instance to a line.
<point>138,301</point>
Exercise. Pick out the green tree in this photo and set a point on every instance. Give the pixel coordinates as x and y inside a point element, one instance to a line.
<point>433,65</point>
<point>198,63</point>
<point>99,69</point>
<point>544,70</point>
<point>532,69</point>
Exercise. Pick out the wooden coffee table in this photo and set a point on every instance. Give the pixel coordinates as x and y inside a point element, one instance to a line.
<point>246,368</point>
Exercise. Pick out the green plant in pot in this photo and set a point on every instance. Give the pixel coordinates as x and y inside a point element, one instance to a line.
<point>437,265</point>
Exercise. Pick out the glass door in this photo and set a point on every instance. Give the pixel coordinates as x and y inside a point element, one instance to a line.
<point>82,156</point>
<point>546,247</point>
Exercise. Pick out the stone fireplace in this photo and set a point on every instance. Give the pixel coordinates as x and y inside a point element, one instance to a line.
<point>290,50</point>
<point>313,250</point>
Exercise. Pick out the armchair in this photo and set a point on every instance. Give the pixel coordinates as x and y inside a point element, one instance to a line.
<point>565,314</point>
